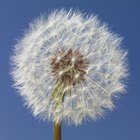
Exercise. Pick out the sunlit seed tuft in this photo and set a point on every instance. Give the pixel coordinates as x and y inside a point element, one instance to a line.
<point>69,66</point>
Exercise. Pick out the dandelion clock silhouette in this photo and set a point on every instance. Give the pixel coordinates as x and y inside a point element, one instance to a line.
<point>68,66</point>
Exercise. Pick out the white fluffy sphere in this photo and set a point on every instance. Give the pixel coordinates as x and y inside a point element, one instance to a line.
<point>69,65</point>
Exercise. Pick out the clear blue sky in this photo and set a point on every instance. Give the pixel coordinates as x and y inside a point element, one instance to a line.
<point>17,123</point>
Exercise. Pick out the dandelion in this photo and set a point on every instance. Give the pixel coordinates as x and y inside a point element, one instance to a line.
<point>69,66</point>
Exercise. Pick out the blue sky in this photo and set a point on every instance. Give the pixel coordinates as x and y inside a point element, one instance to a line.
<point>17,123</point>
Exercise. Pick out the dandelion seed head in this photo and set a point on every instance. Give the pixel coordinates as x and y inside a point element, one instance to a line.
<point>69,66</point>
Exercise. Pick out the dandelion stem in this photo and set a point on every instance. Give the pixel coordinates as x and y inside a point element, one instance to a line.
<point>57,130</point>
<point>58,97</point>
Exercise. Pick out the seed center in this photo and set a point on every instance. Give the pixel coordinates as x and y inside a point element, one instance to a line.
<point>69,67</point>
